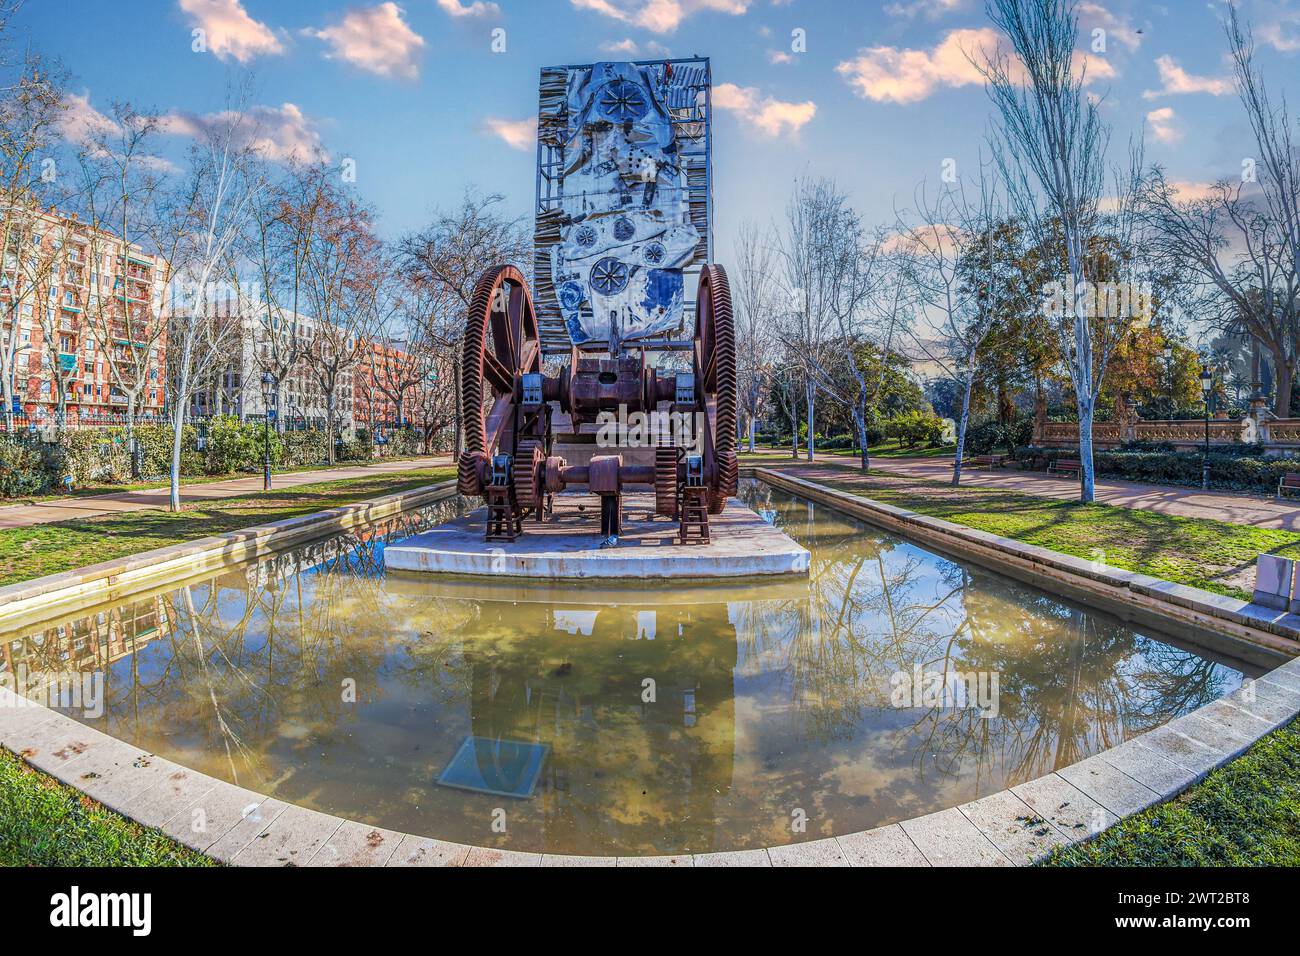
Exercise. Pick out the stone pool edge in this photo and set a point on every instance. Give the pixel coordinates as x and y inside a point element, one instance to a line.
<point>119,578</point>
<point>1014,827</point>
<point>1249,628</point>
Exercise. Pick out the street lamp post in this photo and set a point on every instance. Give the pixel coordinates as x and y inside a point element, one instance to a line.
<point>268,397</point>
<point>1207,387</point>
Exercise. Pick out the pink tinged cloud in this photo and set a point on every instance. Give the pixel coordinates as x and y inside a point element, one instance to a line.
<point>659,16</point>
<point>229,31</point>
<point>375,39</point>
<point>280,133</point>
<point>1175,80</point>
<point>478,8</point>
<point>81,123</point>
<point>895,75</point>
<point>767,115</point>
<point>517,134</point>
<point>1162,125</point>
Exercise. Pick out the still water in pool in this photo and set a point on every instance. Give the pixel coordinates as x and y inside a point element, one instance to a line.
<point>891,683</point>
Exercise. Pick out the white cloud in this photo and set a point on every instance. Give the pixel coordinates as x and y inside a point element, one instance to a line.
<point>896,75</point>
<point>478,8</point>
<point>1162,125</point>
<point>81,123</point>
<point>1277,25</point>
<point>375,39</point>
<point>517,134</point>
<point>280,133</point>
<point>629,47</point>
<point>930,9</point>
<point>779,56</point>
<point>229,30</point>
<point>769,116</point>
<point>1118,28</point>
<point>1174,80</point>
<point>659,16</point>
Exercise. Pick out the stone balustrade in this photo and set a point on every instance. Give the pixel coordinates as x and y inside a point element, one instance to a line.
<point>1279,435</point>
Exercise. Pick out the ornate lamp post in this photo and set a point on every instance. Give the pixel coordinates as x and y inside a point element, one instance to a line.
<point>268,398</point>
<point>1207,389</point>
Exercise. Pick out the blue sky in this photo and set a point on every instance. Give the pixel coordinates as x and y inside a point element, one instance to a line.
<point>878,98</point>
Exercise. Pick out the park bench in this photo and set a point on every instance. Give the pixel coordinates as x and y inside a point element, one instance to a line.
<point>1066,468</point>
<point>989,461</point>
<point>1288,482</point>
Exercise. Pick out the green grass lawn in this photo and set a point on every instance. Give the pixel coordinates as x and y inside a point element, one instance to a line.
<point>1244,814</point>
<point>44,823</point>
<point>100,488</point>
<point>1193,551</point>
<point>27,553</point>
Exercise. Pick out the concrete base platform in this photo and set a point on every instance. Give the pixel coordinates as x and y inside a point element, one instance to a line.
<point>568,546</point>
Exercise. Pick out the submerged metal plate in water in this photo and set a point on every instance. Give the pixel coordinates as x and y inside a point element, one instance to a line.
<point>503,768</point>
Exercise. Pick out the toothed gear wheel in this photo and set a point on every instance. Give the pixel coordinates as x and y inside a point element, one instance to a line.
<point>666,481</point>
<point>528,462</point>
<point>715,328</point>
<point>468,474</point>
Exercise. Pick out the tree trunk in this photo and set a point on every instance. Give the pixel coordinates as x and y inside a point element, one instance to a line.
<point>961,429</point>
<point>178,421</point>
<point>329,427</point>
<point>810,395</point>
<point>752,424</point>
<point>1088,484</point>
<point>130,413</point>
<point>1284,374</point>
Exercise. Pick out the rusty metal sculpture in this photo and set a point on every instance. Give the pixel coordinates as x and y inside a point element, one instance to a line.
<point>624,212</point>
<point>514,412</point>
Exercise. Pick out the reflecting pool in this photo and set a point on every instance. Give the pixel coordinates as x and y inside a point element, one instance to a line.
<point>589,720</point>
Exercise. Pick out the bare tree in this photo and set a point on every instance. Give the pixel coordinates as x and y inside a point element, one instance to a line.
<point>805,323</point>
<point>402,360</point>
<point>1239,244</point>
<point>206,218</point>
<point>953,267</point>
<point>120,190</point>
<point>1050,147</point>
<point>31,106</point>
<point>344,278</point>
<point>755,315</point>
<point>845,299</point>
<point>453,251</point>
<point>291,205</point>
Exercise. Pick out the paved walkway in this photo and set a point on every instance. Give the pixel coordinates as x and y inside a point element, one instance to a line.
<point>1259,511</point>
<point>65,509</point>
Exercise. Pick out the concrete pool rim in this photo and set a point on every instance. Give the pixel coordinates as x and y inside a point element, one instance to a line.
<point>1016,826</point>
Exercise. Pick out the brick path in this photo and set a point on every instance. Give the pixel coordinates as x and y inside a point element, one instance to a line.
<point>64,509</point>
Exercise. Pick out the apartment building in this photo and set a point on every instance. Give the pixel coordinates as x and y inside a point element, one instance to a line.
<point>235,387</point>
<point>79,305</point>
<point>385,368</point>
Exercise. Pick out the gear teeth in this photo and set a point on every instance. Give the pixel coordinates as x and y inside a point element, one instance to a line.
<point>666,481</point>
<point>468,475</point>
<point>726,466</point>
<point>528,457</point>
<point>471,359</point>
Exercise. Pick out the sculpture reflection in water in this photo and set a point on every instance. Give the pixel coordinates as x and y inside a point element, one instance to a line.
<point>684,720</point>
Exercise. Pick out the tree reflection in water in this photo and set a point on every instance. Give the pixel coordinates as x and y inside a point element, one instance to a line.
<point>678,720</point>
